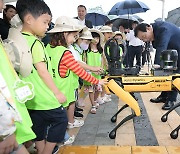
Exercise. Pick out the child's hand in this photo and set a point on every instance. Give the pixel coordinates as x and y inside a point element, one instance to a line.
<point>60,97</point>
<point>97,69</point>
<point>103,81</point>
<point>8,145</point>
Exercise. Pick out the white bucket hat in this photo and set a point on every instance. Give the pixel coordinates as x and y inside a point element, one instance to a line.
<point>100,34</point>
<point>86,34</point>
<point>106,29</point>
<point>65,24</point>
<point>18,51</point>
<point>120,33</point>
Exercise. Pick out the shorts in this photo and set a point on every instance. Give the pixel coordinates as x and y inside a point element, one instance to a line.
<point>55,120</point>
<point>93,88</point>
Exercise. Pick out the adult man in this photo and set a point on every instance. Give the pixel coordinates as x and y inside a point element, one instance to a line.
<point>135,46</point>
<point>163,36</point>
<point>81,16</point>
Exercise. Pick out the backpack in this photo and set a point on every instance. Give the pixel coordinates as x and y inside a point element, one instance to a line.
<point>18,51</point>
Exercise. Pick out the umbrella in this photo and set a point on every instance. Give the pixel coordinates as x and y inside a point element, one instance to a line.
<point>116,20</point>
<point>128,7</point>
<point>174,17</point>
<point>138,18</point>
<point>97,18</point>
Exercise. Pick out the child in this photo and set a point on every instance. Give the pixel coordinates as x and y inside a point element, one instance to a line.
<point>79,47</point>
<point>94,58</point>
<point>45,109</point>
<point>119,37</point>
<point>64,65</point>
<point>22,129</point>
<point>108,34</point>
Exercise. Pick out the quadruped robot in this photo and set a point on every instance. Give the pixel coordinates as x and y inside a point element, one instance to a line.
<point>124,81</point>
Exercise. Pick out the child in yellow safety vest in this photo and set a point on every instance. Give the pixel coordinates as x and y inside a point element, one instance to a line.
<point>45,108</point>
<point>64,65</point>
<point>93,57</point>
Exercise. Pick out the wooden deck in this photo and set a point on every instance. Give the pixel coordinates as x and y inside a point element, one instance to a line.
<point>120,150</point>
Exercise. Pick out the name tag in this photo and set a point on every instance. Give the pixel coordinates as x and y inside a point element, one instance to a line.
<point>23,91</point>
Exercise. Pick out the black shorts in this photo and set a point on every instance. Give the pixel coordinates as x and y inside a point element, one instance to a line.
<point>49,125</point>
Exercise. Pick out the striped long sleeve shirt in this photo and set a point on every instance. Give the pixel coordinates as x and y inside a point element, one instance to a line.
<point>68,62</point>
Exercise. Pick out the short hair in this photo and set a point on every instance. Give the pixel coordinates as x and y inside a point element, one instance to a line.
<point>81,6</point>
<point>141,27</point>
<point>124,24</point>
<point>135,22</point>
<point>35,7</point>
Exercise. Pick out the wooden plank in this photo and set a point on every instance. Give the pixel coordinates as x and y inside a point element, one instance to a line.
<point>80,150</point>
<point>114,150</point>
<point>149,150</point>
<point>173,149</point>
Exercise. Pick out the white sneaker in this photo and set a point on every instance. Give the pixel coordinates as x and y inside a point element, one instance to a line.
<point>100,100</point>
<point>70,140</point>
<point>106,98</point>
<point>77,123</point>
<point>109,96</point>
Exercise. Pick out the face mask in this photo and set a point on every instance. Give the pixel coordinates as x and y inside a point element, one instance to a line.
<point>84,46</point>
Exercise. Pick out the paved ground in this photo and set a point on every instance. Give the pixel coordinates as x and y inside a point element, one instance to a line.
<point>142,131</point>
<point>97,126</point>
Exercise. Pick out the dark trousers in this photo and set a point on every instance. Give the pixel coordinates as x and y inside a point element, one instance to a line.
<point>134,51</point>
<point>170,95</point>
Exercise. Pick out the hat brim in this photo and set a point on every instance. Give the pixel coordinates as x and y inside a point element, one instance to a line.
<point>100,34</point>
<point>62,29</point>
<point>122,34</point>
<point>24,51</point>
<point>87,38</point>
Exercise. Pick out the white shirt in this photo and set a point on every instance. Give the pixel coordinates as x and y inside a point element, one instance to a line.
<point>81,22</point>
<point>75,52</point>
<point>133,41</point>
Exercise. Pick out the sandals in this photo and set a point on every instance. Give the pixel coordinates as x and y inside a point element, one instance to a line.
<point>93,110</point>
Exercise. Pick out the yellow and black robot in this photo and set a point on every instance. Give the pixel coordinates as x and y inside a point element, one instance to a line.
<point>124,81</point>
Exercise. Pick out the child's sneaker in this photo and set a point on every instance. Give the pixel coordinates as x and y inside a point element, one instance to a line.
<point>107,98</point>
<point>77,109</point>
<point>100,100</point>
<point>70,140</point>
<point>56,150</point>
<point>78,115</point>
<point>93,110</point>
<point>77,123</point>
